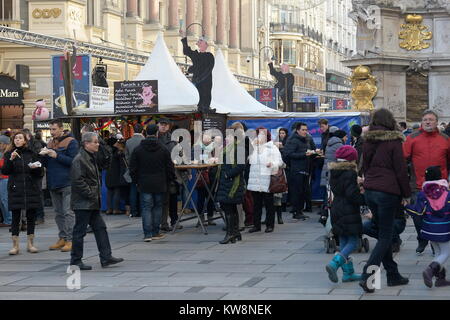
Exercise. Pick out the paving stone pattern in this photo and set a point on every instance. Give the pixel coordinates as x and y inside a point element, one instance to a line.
<point>188,265</point>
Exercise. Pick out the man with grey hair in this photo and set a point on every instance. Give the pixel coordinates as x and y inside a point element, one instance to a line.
<point>86,203</point>
<point>425,148</point>
<point>201,69</point>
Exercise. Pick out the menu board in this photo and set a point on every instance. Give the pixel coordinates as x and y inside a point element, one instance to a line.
<point>136,97</point>
<point>214,121</point>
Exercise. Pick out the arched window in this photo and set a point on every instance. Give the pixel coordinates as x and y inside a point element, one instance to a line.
<point>6,9</point>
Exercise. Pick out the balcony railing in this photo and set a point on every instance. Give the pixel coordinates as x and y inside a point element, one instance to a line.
<point>287,27</point>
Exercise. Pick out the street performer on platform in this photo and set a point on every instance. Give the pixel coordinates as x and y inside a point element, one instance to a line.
<point>285,84</point>
<point>201,69</point>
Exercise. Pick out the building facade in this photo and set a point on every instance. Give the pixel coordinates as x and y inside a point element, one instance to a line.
<point>237,27</point>
<point>340,40</point>
<point>297,34</point>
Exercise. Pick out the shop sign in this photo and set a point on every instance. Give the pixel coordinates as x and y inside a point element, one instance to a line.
<point>10,91</point>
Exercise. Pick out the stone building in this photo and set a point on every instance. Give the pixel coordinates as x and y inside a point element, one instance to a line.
<point>238,27</point>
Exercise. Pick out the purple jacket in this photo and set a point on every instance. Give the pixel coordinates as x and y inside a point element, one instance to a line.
<point>384,166</point>
<point>436,224</point>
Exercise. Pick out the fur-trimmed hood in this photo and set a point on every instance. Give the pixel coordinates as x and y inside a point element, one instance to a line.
<point>383,135</point>
<point>342,165</point>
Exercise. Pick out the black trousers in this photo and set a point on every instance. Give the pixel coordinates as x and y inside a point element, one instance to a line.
<point>204,90</point>
<point>231,216</point>
<point>298,184</point>
<point>95,220</point>
<point>202,195</point>
<point>31,218</point>
<point>266,199</point>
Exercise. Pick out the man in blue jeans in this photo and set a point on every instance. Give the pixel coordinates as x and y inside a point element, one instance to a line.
<point>152,180</point>
<point>131,145</point>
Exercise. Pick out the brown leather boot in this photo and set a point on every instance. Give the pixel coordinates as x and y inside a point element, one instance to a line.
<point>67,247</point>
<point>58,245</point>
<point>15,249</point>
<point>30,246</point>
<point>440,279</point>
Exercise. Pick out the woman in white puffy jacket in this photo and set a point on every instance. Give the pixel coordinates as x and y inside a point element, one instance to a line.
<point>265,161</point>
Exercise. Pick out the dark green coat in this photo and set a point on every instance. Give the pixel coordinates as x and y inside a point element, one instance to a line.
<point>231,182</point>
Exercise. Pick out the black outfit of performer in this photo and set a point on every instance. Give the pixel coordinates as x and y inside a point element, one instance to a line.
<point>201,69</point>
<point>284,80</point>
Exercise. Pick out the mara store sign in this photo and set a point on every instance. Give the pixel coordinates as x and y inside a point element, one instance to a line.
<point>10,91</point>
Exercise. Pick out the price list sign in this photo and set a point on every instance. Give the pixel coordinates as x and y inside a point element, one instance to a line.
<point>136,97</point>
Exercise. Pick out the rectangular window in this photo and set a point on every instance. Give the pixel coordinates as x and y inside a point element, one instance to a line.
<point>289,52</point>
<point>6,9</point>
<point>90,16</point>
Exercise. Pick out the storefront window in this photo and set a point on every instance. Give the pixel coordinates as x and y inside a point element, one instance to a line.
<point>11,117</point>
<point>289,52</point>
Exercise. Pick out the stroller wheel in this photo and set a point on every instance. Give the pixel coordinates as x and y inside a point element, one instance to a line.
<point>328,246</point>
<point>360,245</point>
<point>366,244</point>
<point>333,245</point>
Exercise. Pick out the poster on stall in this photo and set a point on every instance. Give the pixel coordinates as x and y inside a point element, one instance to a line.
<point>81,85</point>
<point>136,97</point>
<point>99,97</point>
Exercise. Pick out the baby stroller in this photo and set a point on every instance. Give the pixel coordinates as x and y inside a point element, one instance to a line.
<point>331,241</point>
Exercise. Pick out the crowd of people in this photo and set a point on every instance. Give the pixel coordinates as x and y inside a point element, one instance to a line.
<point>384,166</point>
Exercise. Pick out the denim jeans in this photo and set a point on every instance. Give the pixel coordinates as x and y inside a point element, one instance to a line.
<point>151,211</point>
<point>383,206</point>
<point>347,244</point>
<point>64,216</point>
<point>7,215</point>
<point>134,200</point>
<point>95,220</point>
<point>371,229</point>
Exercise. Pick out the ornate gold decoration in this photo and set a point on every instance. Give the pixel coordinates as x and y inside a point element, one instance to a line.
<point>46,13</point>
<point>364,88</point>
<point>414,33</point>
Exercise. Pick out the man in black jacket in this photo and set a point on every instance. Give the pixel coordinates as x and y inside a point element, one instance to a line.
<point>86,203</point>
<point>152,180</point>
<point>285,84</point>
<point>297,152</point>
<point>201,69</point>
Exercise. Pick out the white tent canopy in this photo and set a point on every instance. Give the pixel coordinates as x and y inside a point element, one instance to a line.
<point>228,96</point>
<point>178,94</point>
<point>175,92</point>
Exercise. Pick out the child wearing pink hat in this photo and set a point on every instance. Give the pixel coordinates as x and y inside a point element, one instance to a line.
<point>433,202</point>
<point>345,212</point>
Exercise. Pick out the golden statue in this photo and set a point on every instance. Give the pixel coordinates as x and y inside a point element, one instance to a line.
<point>414,33</point>
<point>364,88</point>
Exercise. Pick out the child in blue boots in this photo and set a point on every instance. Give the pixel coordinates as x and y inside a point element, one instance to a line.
<point>345,212</point>
<point>433,203</point>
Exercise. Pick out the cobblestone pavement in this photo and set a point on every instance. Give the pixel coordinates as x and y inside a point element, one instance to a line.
<point>188,265</point>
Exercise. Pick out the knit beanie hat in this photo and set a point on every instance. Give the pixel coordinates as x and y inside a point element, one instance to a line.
<point>356,130</point>
<point>151,129</point>
<point>433,173</point>
<point>340,134</point>
<point>333,129</point>
<point>347,153</point>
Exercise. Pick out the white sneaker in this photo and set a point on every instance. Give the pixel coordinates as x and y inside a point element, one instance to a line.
<point>149,239</point>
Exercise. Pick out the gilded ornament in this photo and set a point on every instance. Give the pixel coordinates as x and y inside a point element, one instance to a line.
<point>414,33</point>
<point>364,88</point>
